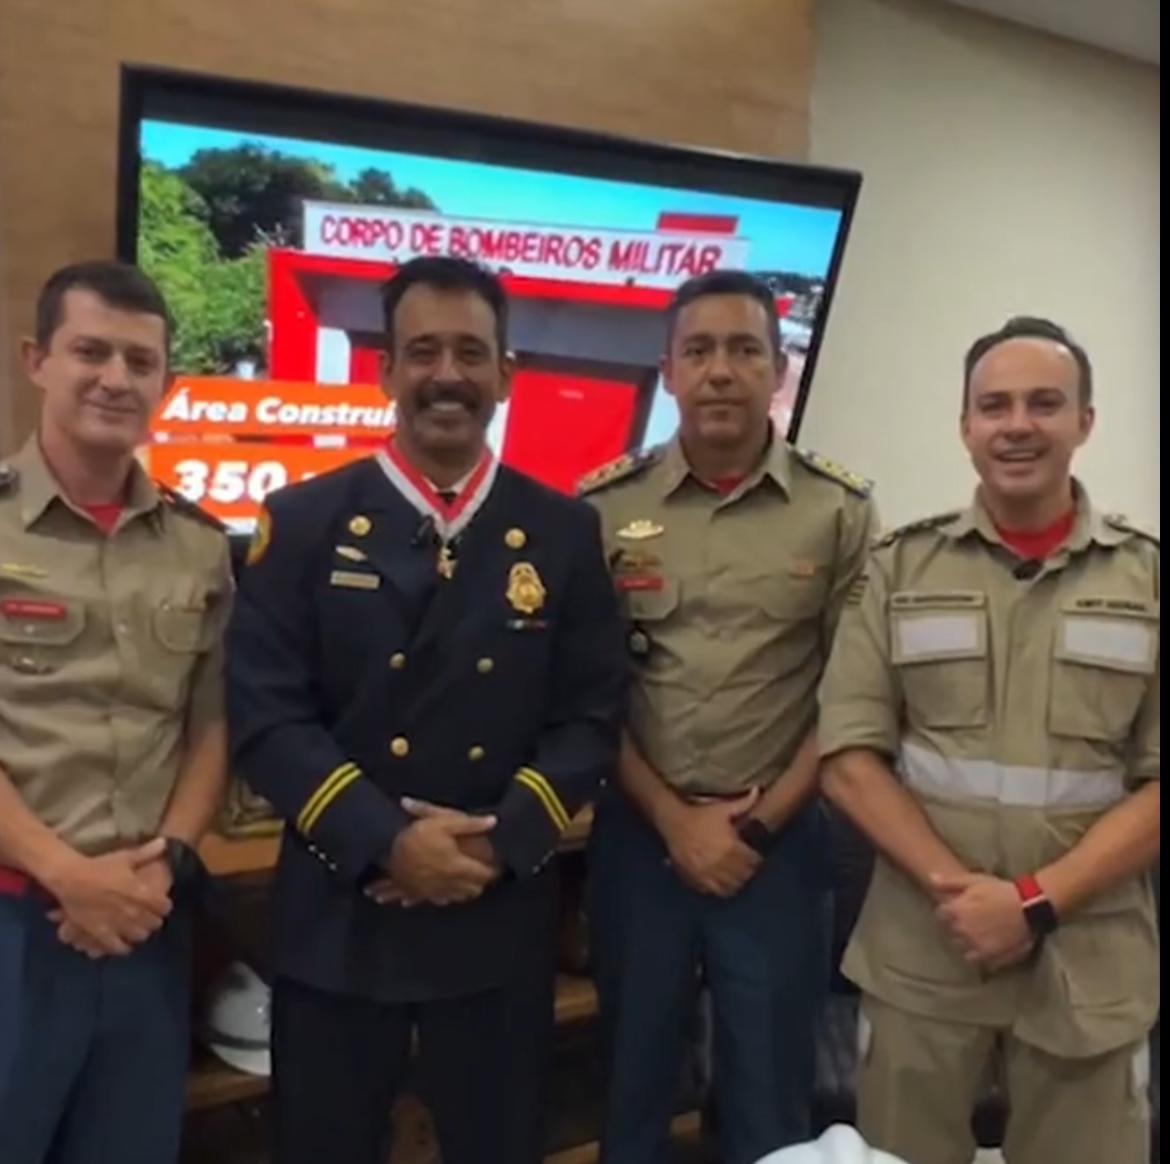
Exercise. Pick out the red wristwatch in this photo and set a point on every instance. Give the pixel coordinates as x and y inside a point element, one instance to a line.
<point>1039,912</point>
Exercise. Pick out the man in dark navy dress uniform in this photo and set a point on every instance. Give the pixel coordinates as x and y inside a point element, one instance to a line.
<point>426,680</point>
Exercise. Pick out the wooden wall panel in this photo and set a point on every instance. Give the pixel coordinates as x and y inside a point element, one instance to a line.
<point>733,74</point>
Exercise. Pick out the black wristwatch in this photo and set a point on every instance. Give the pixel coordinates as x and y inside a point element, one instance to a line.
<point>186,867</point>
<point>755,834</point>
<point>1039,912</point>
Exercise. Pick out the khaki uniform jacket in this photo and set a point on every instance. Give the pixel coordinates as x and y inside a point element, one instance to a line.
<point>731,604</point>
<point>110,652</point>
<point>1017,711</point>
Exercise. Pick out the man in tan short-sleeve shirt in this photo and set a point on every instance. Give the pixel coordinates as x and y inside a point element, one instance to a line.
<point>733,554</point>
<point>990,717</point>
<point>113,598</point>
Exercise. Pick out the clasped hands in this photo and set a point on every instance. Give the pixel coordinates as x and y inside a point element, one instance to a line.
<point>983,918</point>
<point>444,857</point>
<point>107,905</point>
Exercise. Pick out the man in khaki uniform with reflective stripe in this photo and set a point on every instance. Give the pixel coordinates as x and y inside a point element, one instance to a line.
<point>733,554</point>
<point>990,718</point>
<point>113,597</point>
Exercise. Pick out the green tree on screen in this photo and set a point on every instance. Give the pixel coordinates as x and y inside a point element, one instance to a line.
<point>218,305</point>
<point>251,188</point>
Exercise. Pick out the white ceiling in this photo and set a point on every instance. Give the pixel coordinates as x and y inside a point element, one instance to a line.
<point>1130,27</point>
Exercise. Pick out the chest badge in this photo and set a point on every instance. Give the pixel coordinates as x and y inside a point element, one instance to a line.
<point>526,591</point>
<point>640,529</point>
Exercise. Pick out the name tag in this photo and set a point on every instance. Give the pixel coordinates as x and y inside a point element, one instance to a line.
<point>626,582</point>
<point>354,580</point>
<point>931,635</point>
<point>33,611</point>
<point>1125,641</point>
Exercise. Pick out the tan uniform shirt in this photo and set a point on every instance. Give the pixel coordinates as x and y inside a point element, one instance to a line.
<point>732,604</point>
<point>110,653</point>
<point>1017,711</point>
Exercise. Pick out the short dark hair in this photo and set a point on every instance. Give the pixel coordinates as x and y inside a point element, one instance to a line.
<point>121,285</point>
<point>445,273</point>
<point>724,283</point>
<point>1030,327</point>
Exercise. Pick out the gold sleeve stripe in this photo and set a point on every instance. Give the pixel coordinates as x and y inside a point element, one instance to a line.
<point>543,791</point>
<point>326,790</point>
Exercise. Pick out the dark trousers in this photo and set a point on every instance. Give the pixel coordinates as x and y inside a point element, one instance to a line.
<point>93,1054</point>
<point>763,956</point>
<point>339,1062</point>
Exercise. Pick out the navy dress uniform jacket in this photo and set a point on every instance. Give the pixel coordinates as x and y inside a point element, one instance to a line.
<point>358,676</point>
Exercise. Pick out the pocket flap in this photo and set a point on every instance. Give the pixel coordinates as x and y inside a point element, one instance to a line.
<point>930,626</point>
<point>180,628</point>
<point>1116,634</point>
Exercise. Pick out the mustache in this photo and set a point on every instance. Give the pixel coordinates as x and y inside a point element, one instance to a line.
<point>449,392</point>
<point>124,400</point>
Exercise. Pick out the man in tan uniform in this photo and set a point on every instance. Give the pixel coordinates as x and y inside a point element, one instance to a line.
<point>113,596</point>
<point>733,554</point>
<point>990,717</point>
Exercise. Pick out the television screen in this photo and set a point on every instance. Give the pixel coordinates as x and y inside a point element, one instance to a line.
<point>271,217</point>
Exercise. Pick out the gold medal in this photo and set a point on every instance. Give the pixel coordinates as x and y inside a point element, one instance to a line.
<point>446,563</point>
<point>526,591</point>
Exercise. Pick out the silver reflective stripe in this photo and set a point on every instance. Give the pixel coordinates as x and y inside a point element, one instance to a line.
<point>1008,784</point>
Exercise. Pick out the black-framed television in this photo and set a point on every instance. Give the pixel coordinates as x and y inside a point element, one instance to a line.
<point>270,216</point>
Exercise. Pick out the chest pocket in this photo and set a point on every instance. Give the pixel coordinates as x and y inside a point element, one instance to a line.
<point>181,628</point>
<point>938,644</point>
<point>1104,654</point>
<point>37,635</point>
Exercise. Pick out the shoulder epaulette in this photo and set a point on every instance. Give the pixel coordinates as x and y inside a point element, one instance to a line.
<point>181,504</point>
<point>8,477</point>
<point>623,468</point>
<point>835,472</point>
<point>924,523</point>
<point>1120,522</point>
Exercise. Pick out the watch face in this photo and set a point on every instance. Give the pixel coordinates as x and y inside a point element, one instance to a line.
<point>1041,918</point>
<point>755,833</point>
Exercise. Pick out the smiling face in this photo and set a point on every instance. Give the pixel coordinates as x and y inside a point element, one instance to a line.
<point>723,368</point>
<point>103,370</point>
<point>1023,420</point>
<point>445,372</point>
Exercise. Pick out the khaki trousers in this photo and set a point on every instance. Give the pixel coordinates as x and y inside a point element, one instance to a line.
<point>920,1079</point>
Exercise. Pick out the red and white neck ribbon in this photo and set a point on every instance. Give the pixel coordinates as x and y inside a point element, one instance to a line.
<point>470,493</point>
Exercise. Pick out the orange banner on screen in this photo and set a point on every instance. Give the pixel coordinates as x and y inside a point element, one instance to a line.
<point>209,406</point>
<point>231,481</point>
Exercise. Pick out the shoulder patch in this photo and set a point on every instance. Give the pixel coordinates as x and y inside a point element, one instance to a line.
<point>8,477</point>
<point>1119,521</point>
<point>838,473</point>
<point>625,466</point>
<point>924,523</point>
<point>180,504</point>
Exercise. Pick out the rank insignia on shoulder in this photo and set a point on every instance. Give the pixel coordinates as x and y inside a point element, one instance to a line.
<point>1123,524</point>
<point>827,468</point>
<point>625,466</point>
<point>919,526</point>
<point>181,504</point>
